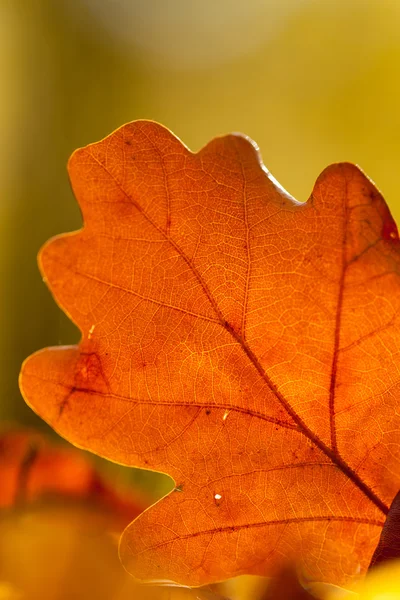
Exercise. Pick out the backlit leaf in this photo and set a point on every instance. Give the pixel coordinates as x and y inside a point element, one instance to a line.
<point>242,342</point>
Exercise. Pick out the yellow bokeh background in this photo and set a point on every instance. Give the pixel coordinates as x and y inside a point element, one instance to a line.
<point>312,82</point>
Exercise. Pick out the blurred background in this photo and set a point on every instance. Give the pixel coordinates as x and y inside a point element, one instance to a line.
<point>311,82</point>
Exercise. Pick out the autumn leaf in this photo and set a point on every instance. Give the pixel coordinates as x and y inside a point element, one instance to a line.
<point>242,342</point>
<point>33,469</point>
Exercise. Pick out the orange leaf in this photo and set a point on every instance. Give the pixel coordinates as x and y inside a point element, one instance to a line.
<point>242,342</point>
<point>33,469</point>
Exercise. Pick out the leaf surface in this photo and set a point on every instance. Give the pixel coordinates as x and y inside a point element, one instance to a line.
<point>242,342</point>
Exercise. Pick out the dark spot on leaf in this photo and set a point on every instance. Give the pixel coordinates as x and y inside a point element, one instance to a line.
<point>88,369</point>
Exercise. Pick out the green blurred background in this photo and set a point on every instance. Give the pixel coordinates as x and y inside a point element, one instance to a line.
<point>313,82</point>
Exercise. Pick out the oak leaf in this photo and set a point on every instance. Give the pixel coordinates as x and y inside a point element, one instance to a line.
<point>34,470</point>
<point>240,341</point>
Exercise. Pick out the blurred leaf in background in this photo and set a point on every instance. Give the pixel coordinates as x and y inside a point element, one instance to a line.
<point>312,82</point>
